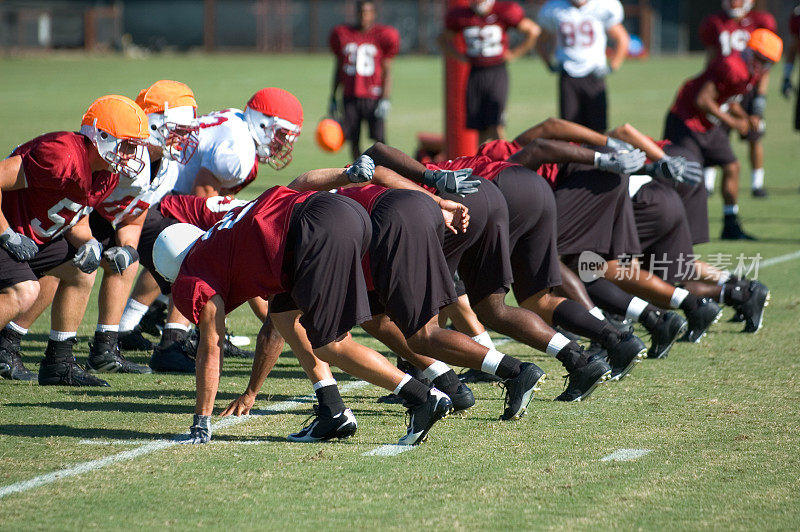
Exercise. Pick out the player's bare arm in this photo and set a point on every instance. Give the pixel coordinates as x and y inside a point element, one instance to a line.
<point>637,139</point>
<point>209,354</point>
<point>530,31</point>
<point>560,129</point>
<point>446,42</point>
<point>620,36</point>
<point>320,179</point>
<point>707,102</point>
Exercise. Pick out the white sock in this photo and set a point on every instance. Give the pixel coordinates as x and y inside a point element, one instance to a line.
<point>435,369</point>
<point>556,344</point>
<point>164,299</point>
<point>724,277</point>
<point>107,328</point>
<point>60,336</point>
<point>403,382</point>
<point>132,315</point>
<point>323,383</point>
<point>491,361</point>
<point>484,339</point>
<point>677,297</point>
<point>597,313</point>
<point>17,329</point>
<point>177,326</point>
<point>710,177</point>
<point>730,209</point>
<point>757,178</point>
<point>635,308</point>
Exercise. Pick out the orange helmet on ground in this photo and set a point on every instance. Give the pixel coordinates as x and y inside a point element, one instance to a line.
<point>118,129</point>
<point>330,136</point>
<point>172,114</point>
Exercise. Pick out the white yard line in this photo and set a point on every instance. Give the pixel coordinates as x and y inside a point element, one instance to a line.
<point>624,455</point>
<point>766,263</point>
<point>389,450</point>
<point>156,445</point>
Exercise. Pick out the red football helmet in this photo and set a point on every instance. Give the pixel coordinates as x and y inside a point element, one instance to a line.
<point>275,118</point>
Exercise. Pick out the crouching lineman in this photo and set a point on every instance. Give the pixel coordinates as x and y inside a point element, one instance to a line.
<point>306,244</point>
<point>49,185</point>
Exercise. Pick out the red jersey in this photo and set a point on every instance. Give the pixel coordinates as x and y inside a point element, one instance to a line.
<point>200,212</point>
<point>501,150</point>
<point>730,36</point>
<point>732,78</point>
<point>485,37</point>
<point>481,165</point>
<point>241,257</point>
<point>61,188</point>
<point>361,56</point>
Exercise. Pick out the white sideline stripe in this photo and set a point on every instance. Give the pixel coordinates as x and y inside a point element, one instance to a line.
<point>766,263</point>
<point>153,446</point>
<point>623,455</point>
<point>139,442</point>
<point>388,450</point>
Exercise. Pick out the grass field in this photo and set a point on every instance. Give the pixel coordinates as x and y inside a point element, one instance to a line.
<point>721,418</point>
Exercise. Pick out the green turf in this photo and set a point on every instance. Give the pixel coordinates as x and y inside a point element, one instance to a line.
<point>721,417</point>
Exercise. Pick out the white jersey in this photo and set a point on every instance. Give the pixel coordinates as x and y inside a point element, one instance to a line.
<point>225,148</point>
<point>581,32</point>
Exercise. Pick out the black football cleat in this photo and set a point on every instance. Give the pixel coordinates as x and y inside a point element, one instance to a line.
<point>325,427</point>
<point>737,317</point>
<point>463,399</point>
<point>623,356</point>
<point>700,319</point>
<point>106,358</point>
<point>520,390</point>
<point>172,358</point>
<point>390,399</point>
<point>732,230</point>
<point>472,376</point>
<point>665,333</point>
<point>422,417</point>
<point>232,351</point>
<point>65,371</point>
<point>760,193</point>
<point>583,381</point>
<point>134,340</point>
<point>11,366</point>
<point>753,309</point>
<point>154,319</point>
<point>622,324</point>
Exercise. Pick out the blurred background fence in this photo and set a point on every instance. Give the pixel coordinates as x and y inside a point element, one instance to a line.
<point>662,26</point>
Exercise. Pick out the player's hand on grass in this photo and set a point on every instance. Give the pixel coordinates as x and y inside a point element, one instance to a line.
<point>19,246</point>
<point>200,431</point>
<point>361,170</point>
<point>120,257</point>
<point>87,259</point>
<point>452,181</point>
<point>620,162</point>
<point>456,215</point>
<point>240,406</point>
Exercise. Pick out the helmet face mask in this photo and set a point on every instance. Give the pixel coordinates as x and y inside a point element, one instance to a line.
<point>124,156</point>
<point>737,12</point>
<point>274,138</point>
<point>176,132</point>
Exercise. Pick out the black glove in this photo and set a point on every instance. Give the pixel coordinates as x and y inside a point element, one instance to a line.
<point>452,181</point>
<point>19,246</point>
<point>120,257</point>
<point>200,431</point>
<point>361,170</point>
<point>87,259</point>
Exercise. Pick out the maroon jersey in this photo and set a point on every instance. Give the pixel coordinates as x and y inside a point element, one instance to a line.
<point>731,77</point>
<point>481,166</point>
<point>500,150</point>
<point>61,188</point>
<point>366,195</point>
<point>361,56</point>
<point>200,212</point>
<point>485,37</point>
<point>241,257</point>
<point>730,36</point>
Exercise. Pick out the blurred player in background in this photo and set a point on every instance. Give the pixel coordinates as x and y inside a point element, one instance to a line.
<point>483,26</point>
<point>581,29</point>
<point>364,54</point>
<point>791,53</point>
<point>724,33</point>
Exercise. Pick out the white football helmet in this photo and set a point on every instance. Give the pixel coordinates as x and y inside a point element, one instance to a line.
<point>124,156</point>
<point>737,12</point>
<point>171,247</point>
<point>274,137</point>
<point>482,7</point>
<point>175,131</point>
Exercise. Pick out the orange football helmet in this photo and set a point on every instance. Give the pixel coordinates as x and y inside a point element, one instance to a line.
<point>118,129</point>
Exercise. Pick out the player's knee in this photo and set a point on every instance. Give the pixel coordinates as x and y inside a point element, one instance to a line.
<point>24,295</point>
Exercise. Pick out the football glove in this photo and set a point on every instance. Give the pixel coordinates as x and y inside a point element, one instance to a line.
<point>120,257</point>
<point>452,181</point>
<point>759,105</point>
<point>19,246</point>
<point>333,107</point>
<point>602,71</point>
<point>200,431</point>
<point>361,170</point>
<point>620,162</point>
<point>383,108</point>
<point>618,145</point>
<point>87,259</point>
<point>676,169</point>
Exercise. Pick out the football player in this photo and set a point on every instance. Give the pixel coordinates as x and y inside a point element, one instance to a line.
<point>708,105</point>
<point>791,54</point>
<point>580,29</point>
<point>724,33</point>
<point>484,27</point>
<point>49,185</point>
<point>364,55</point>
<point>309,245</point>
